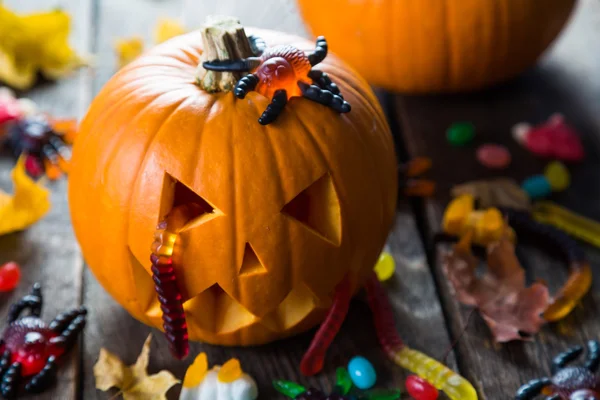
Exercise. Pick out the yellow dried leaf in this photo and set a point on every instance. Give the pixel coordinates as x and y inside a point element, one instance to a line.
<point>128,50</point>
<point>196,372</point>
<point>133,381</point>
<point>35,43</point>
<point>29,203</point>
<point>166,29</point>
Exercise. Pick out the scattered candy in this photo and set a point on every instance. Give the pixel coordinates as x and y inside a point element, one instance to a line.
<point>31,349</point>
<point>572,223</point>
<point>420,389</point>
<point>385,266</point>
<point>362,373</point>
<point>537,187</point>
<point>460,133</point>
<point>455,386</point>
<point>35,43</point>
<point>343,380</point>
<point>554,139</point>
<point>568,381</point>
<point>10,275</point>
<point>227,382</point>
<point>493,156</point>
<point>558,176</point>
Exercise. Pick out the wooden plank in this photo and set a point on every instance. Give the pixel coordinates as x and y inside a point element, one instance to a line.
<point>48,252</point>
<point>567,81</point>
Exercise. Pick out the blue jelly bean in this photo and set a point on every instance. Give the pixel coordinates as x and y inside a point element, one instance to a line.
<point>362,373</point>
<point>537,186</point>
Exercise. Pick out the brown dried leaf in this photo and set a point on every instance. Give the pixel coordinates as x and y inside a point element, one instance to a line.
<point>133,380</point>
<point>511,310</point>
<point>501,192</point>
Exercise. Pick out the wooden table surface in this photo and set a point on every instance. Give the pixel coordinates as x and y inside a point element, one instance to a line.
<point>567,79</point>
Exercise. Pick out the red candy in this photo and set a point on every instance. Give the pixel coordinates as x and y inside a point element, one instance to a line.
<point>420,389</point>
<point>10,275</point>
<point>553,139</point>
<point>493,156</point>
<point>9,109</point>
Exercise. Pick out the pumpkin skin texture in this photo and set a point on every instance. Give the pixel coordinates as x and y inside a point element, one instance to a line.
<point>430,46</point>
<point>296,205</point>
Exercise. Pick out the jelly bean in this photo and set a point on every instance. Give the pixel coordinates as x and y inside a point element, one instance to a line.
<point>385,267</point>
<point>460,133</point>
<point>420,389</point>
<point>558,176</point>
<point>10,275</point>
<point>362,373</point>
<point>289,389</point>
<point>493,156</point>
<point>537,186</point>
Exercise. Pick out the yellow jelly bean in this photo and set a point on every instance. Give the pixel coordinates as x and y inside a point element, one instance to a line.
<point>230,371</point>
<point>385,267</point>
<point>558,176</point>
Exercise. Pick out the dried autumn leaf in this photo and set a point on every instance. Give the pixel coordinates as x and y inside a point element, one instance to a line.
<point>500,192</point>
<point>29,203</point>
<point>128,50</point>
<point>35,43</point>
<point>133,381</point>
<point>511,310</point>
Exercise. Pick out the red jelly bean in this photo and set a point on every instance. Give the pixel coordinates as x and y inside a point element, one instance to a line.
<point>10,275</point>
<point>420,389</point>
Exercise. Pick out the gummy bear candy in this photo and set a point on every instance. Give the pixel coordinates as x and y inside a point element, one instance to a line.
<point>554,139</point>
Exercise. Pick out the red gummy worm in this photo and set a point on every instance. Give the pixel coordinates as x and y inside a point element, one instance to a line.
<point>383,317</point>
<point>312,362</point>
<point>170,298</point>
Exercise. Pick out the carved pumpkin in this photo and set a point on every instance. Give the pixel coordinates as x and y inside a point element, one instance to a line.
<point>437,45</point>
<point>283,212</point>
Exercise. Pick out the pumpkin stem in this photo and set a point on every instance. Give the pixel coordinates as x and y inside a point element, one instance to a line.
<point>223,38</point>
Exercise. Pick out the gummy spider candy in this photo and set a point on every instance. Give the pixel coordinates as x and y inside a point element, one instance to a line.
<point>341,390</point>
<point>44,143</point>
<point>553,138</point>
<point>30,349</point>
<point>568,383</point>
<point>282,72</point>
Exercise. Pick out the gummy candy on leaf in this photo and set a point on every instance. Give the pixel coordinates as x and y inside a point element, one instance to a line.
<point>226,382</point>
<point>133,381</point>
<point>30,202</point>
<point>35,43</point>
<point>511,310</point>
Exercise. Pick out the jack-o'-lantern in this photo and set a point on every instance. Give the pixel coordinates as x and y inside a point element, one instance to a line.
<point>270,218</point>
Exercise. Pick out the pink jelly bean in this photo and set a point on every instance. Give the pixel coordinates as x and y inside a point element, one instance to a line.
<point>493,156</point>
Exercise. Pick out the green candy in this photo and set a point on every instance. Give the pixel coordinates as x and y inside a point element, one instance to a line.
<point>381,394</point>
<point>460,133</point>
<point>343,380</point>
<point>289,389</point>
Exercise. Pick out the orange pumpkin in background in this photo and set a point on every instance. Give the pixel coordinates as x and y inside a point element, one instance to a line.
<point>428,46</point>
<point>283,212</point>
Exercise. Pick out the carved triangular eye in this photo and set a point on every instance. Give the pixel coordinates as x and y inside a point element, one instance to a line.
<point>251,264</point>
<point>318,208</point>
<point>176,194</point>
